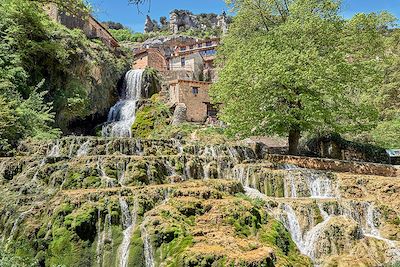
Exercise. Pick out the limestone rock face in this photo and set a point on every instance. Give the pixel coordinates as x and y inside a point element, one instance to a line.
<point>149,26</point>
<point>223,22</point>
<point>181,19</point>
<point>180,115</point>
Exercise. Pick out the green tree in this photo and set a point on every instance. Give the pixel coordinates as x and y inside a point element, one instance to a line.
<point>297,66</point>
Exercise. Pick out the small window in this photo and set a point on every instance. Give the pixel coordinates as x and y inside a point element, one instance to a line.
<point>200,45</point>
<point>183,48</point>
<point>195,90</point>
<point>183,62</point>
<point>209,43</point>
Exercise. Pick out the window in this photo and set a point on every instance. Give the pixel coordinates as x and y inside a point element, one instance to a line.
<point>200,45</point>
<point>183,48</point>
<point>209,43</point>
<point>195,90</point>
<point>183,62</point>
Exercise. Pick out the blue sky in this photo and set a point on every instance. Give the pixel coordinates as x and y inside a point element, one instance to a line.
<point>121,11</point>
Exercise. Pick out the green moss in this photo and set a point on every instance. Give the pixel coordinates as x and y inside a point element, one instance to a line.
<point>83,222</point>
<point>91,182</point>
<point>152,116</point>
<point>10,259</point>
<point>136,254</point>
<point>63,250</point>
<point>172,252</point>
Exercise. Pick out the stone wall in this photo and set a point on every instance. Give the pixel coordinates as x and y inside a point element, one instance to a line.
<point>193,62</point>
<point>182,92</point>
<point>150,58</point>
<point>87,23</point>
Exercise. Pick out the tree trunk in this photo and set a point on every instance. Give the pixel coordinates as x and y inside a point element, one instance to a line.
<point>294,137</point>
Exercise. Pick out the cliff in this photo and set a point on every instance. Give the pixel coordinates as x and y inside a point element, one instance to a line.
<point>185,21</point>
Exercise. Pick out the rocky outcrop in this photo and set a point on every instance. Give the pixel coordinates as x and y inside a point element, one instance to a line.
<point>183,20</point>
<point>149,25</point>
<point>179,116</point>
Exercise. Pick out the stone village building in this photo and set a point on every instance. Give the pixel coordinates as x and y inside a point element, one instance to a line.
<point>88,24</point>
<point>188,68</point>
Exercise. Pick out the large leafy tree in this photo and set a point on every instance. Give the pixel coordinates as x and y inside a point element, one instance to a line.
<point>291,66</point>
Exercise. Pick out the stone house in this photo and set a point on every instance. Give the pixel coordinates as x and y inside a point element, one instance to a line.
<point>197,57</point>
<point>187,65</point>
<point>150,57</point>
<point>88,24</point>
<point>194,94</point>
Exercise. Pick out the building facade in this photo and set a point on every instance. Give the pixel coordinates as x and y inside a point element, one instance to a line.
<point>87,23</point>
<point>194,94</point>
<point>151,58</point>
<point>187,65</point>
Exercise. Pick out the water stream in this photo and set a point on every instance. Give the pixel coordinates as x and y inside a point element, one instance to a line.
<point>129,219</point>
<point>123,114</point>
<point>148,249</point>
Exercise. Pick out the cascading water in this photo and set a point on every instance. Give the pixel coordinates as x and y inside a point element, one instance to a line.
<point>291,222</point>
<point>129,223</point>
<point>83,149</point>
<point>17,222</point>
<point>370,230</point>
<point>123,114</point>
<point>55,150</point>
<point>148,250</point>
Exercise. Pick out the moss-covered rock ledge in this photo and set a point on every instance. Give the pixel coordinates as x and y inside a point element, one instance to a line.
<point>196,223</point>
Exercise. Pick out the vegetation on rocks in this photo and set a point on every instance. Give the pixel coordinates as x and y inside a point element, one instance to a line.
<point>50,76</point>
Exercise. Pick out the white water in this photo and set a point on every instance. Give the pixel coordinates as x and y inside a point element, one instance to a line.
<point>55,150</point>
<point>105,180</point>
<point>292,224</point>
<point>17,222</point>
<point>123,114</point>
<point>321,186</point>
<point>290,184</point>
<point>148,250</point>
<point>370,230</point>
<point>83,149</point>
<point>253,193</point>
<point>128,222</point>
<point>100,240</point>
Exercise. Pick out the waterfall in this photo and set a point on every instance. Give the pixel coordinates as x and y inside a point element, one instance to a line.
<point>128,223</point>
<point>106,181</point>
<point>370,230</point>
<point>292,224</point>
<point>83,149</point>
<point>289,183</point>
<point>17,223</point>
<point>320,186</point>
<point>148,250</point>
<point>71,148</point>
<point>55,150</point>
<point>123,114</point>
<point>100,240</point>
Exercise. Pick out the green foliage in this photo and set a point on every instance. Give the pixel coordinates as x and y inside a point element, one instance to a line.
<point>127,35</point>
<point>386,134</point>
<point>11,260</point>
<point>298,71</point>
<point>37,56</point>
<point>150,116</point>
